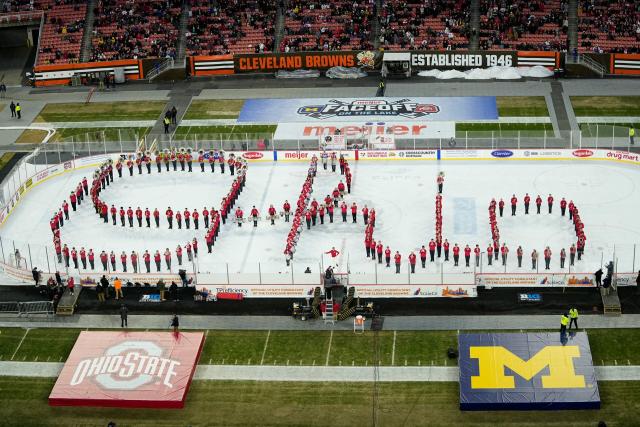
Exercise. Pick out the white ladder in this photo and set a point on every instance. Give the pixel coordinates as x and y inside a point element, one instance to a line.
<point>329,315</point>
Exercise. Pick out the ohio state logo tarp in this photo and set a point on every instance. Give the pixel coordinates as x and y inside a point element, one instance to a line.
<point>128,369</point>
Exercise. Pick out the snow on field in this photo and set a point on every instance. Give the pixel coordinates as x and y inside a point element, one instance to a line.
<point>403,194</point>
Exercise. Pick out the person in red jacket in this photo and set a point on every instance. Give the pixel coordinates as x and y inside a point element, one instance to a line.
<point>65,255</point>
<point>504,250</point>
<point>130,216</point>
<point>527,201</point>
<point>169,214</point>
<point>167,258</point>
<point>114,213</point>
<point>550,202</point>
<point>74,257</point>
<point>547,258</point>
<point>354,212</point>
<point>456,254</point>
<point>445,246</point>
<point>286,207</point>
<point>112,260</point>
<point>538,203</point>
<point>187,218</point>
<point>440,182</point>
<point>372,248</point>
<point>146,257</point>
<point>205,216</point>
<point>432,250</point>
<point>379,250</point>
<point>423,256</point>
<point>83,258</point>
<point>272,214</point>
<point>156,217</point>
<point>333,252</point>
<point>501,207</point>
<point>92,259</point>
<point>139,216</point>
<point>179,220</point>
<point>104,259</point>
<point>343,211</point>
<point>239,215</point>
<point>134,261</point>
<point>387,256</point>
<point>330,212</point>
<point>563,206</point>
<point>397,258</point>
<point>476,252</point>
<point>412,262</point>
<point>467,255</point>
<point>307,217</point>
<point>123,260</point>
<point>365,214</point>
<point>255,216</point>
<point>147,217</point>
<point>73,199</point>
<point>65,209</point>
<point>514,203</point>
<point>179,254</point>
<point>157,258</point>
<point>105,212</point>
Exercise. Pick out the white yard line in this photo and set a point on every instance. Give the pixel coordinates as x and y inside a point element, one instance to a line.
<point>393,350</point>
<point>266,343</point>
<point>20,343</point>
<point>326,363</point>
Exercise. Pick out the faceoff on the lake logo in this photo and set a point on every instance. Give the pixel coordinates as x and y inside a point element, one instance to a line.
<point>367,107</point>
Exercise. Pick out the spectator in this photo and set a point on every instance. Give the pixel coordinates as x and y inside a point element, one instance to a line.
<point>175,323</point>
<point>124,311</point>
<point>36,275</point>
<point>117,285</point>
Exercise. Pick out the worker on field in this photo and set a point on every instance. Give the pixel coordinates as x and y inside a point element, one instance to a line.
<point>18,110</point>
<point>564,321</point>
<point>573,316</point>
<point>632,135</point>
<point>381,87</point>
<point>167,122</point>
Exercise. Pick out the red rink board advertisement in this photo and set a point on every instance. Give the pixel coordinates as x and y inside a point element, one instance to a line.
<point>128,370</point>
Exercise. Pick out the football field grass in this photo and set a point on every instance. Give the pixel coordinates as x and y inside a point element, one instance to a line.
<point>100,111</point>
<point>595,106</point>
<point>312,348</point>
<point>248,403</point>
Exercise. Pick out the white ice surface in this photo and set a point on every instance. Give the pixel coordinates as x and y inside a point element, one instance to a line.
<point>403,193</point>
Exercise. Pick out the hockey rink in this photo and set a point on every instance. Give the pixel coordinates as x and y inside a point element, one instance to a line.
<point>402,193</point>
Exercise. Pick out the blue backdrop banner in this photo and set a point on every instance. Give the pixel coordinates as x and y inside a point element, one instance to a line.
<point>316,110</point>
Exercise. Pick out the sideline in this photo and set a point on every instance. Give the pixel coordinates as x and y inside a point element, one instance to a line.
<point>312,373</point>
<point>287,323</point>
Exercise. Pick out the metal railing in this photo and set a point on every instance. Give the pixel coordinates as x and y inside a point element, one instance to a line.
<point>28,308</point>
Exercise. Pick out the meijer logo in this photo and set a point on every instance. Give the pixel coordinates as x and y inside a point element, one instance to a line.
<point>493,361</point>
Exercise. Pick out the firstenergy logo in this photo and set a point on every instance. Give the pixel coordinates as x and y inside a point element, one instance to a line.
<point>127,366</point>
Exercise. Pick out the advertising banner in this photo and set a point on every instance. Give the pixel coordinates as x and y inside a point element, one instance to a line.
<point>424,291</point>
<point>364,129</point>
<point>388,109</point>
<point>128,370</point>
<point>454,60</point>
<point>272,62</point>
<point>526,371</point>
<point>261,291</point>
<point>498,280</point>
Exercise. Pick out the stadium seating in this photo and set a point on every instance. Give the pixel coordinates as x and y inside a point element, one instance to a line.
<point>136,29</point>
<point>523,25</point>
<point>231,27</point>
<point>62,32</point>
<point>328,25</point>
<point>424,24</point>
<point>609,26</point>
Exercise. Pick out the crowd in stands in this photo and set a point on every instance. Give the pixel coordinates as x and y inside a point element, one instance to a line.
<point>231,26</point>
<point>328,25</point>
<point>524,24</point>
<point>609,26</point>
<point>150,28</point>
<point>135,29</point>
<point>62,32</point>
<point>424,24</point>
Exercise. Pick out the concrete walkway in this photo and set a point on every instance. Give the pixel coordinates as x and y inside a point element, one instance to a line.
<point>313,373</point>
<point>400,323</point>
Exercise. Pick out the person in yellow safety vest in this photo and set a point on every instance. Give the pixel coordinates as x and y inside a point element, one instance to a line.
<point>18,110</point>
<point>632,134</point>
<point>166,124</point>
<point>564,321</point>
<point>573,315</point>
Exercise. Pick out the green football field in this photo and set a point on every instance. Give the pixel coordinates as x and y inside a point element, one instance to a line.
<point>251,403</point>
<point>309,348</point>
